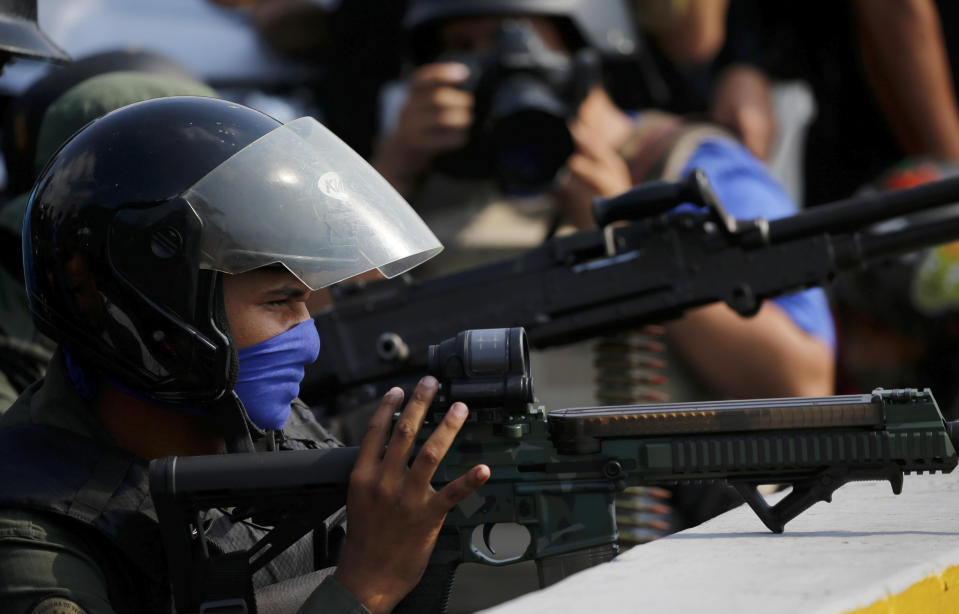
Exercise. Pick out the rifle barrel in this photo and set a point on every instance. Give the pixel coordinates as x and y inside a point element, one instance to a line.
<point>858,211</point>
<point>911,238</point>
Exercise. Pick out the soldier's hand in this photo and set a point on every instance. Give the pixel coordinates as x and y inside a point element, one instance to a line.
<point>435,118</point>
<point>393,513</point>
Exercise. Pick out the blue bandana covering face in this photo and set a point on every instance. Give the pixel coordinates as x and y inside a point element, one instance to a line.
<point>270,374</point>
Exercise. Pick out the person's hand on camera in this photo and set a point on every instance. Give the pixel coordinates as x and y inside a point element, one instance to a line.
<point>393,513</point>
<point>594,169</point>
<point>436,118</point>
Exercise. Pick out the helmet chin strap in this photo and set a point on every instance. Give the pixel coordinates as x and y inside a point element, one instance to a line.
<point>235,425</point>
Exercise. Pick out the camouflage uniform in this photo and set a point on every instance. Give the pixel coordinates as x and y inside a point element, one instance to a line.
<point>48,556</point>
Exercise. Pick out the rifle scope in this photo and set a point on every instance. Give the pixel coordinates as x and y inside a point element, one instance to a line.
<point>485,368</point>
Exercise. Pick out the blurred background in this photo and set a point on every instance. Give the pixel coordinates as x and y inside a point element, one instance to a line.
<point>827,83</point>
<point>835,97</point>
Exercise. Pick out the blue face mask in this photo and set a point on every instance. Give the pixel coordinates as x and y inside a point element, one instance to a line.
<point>270,374</point>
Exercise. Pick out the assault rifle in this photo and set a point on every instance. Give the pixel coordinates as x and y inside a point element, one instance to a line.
<point>556,473</point>
<point>653,268</point>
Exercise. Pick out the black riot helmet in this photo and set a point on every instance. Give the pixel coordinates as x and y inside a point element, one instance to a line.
<point>133,222</point>
<point>605,26</point>
<point>21,36</point>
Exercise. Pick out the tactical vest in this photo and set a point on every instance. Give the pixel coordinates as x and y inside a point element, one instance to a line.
<point>103,494</point>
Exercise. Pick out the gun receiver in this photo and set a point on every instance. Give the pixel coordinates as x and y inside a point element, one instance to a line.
<point>556,473</point>
<point>597,281</point>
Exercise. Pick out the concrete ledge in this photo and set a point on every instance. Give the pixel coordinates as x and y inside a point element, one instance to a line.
<point>868,552</point>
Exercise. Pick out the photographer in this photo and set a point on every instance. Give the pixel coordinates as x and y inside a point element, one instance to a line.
<point>465,146</point>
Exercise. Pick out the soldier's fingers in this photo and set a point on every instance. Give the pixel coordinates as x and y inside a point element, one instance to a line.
<point>432,452</point>
<point>460,488</point>
<point>406,427</point>
<point>371,447</point>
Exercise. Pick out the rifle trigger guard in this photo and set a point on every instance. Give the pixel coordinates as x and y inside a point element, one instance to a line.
<point>476,555</point>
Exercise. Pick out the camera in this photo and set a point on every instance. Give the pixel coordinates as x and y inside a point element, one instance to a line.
<point>525,93</point>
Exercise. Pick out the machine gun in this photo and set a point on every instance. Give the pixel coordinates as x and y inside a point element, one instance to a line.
<point>556,473</point>
<point>653,266</point>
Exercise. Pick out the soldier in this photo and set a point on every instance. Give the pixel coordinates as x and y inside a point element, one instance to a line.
<point>170,247</point>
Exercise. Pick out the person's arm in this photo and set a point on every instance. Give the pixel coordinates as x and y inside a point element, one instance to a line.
<point>906,64</point>
<point>767,355</point>
<point>787,349</point>
<point>44,561</point>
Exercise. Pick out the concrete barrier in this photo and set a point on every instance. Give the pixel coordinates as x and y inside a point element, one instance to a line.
<point>867,552</point>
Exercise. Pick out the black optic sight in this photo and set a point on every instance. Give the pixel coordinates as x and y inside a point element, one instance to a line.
<point>485,368</point>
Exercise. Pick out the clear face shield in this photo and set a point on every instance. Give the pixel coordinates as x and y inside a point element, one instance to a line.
<point>300,197</point>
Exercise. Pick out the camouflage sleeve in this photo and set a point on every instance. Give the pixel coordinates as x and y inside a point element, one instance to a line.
<point>47,570</point>
<point>302,426</point>
<point>330,597</point>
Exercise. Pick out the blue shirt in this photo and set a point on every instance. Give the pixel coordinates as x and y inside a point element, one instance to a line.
<point>747,190</point>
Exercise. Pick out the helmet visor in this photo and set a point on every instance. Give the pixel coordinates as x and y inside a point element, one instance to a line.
<point>300,197</point>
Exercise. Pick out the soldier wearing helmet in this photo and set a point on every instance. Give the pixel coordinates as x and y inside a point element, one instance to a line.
<point>169,249</point>
<point>505,132</point>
